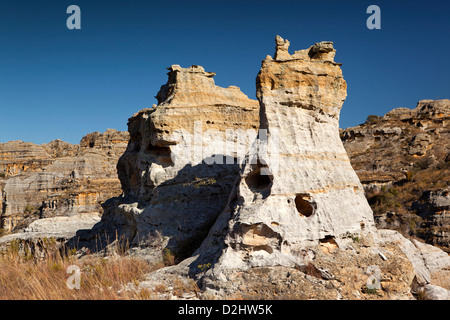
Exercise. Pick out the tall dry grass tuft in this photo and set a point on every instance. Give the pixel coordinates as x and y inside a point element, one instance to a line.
<point>27,277</point>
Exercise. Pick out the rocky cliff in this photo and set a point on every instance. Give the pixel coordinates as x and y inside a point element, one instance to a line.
<point>58,178</point>
<point>257,199</point>
<point>280,213</point>
<point>402,159</point>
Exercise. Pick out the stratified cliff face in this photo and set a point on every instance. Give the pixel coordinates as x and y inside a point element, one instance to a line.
<point>181,162</point>
<point>403,160</point>
<point>384,149</point>
<point>58,178</point>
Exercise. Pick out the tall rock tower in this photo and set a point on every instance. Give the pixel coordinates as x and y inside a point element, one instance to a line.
<point>299,189</point>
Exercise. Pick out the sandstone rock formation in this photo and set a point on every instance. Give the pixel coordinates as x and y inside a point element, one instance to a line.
<point>173,187</point>
<point>278,214</point>
<point>292,215</point>
<point>403,160</point>
<point>391,145</point>
<point>308,192</point>
<point>58,178</point>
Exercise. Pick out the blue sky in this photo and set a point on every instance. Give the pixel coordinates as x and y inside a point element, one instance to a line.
<point>57,83</point>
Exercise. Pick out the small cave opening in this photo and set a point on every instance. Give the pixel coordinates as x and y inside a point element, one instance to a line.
<point>328,244</point>
<point>328,240</point>
<point>303,206</point>
<point>156,149</point>
<point>258,180</point>
<point>163,154</point>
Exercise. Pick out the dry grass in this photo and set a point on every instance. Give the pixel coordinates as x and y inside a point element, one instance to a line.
<point>25,278</point>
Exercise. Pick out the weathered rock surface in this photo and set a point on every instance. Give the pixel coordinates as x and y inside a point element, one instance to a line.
<point>402,159</point>
<point>59,228</point>
<point>283,216</point>
<point>432,292</point>
<point>58,178</point>
<point>388,147</point>
<point>297,216</point>
<point>173,188</point>
<point>302,190</point>
<point>426,259</point>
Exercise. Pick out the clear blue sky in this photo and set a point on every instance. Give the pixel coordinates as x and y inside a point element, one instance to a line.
<point>60,83</point>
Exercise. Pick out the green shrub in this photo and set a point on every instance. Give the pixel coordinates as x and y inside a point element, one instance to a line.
<point>373,119</point>
<point>29,209</point>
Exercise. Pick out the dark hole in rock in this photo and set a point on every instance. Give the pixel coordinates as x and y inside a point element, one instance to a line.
<point>163,153</point>
<point>329,240</point>
<point>259,180</point>
<point>303,206</point>
<point>328,244</point>
<point>158,150</point>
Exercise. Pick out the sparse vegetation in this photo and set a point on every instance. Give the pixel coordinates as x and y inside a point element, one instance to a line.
<point>386,199</point>
<point>372,119</point>
<point>169,258</point>
<point>422,176</point>
<point>201,182</point>
<point>367,290</point>
<point>29,209</point>
<point>27,275</point>
<point>204,267</point>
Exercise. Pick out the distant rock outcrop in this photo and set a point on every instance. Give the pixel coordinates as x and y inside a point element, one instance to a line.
<point>403,161</point>
<point>58,178</point>
<point>384,149</point>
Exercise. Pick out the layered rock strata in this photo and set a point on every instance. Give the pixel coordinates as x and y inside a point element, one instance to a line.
<point>402,159</point>
<point>384,149</point>
<point>58,178</point>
